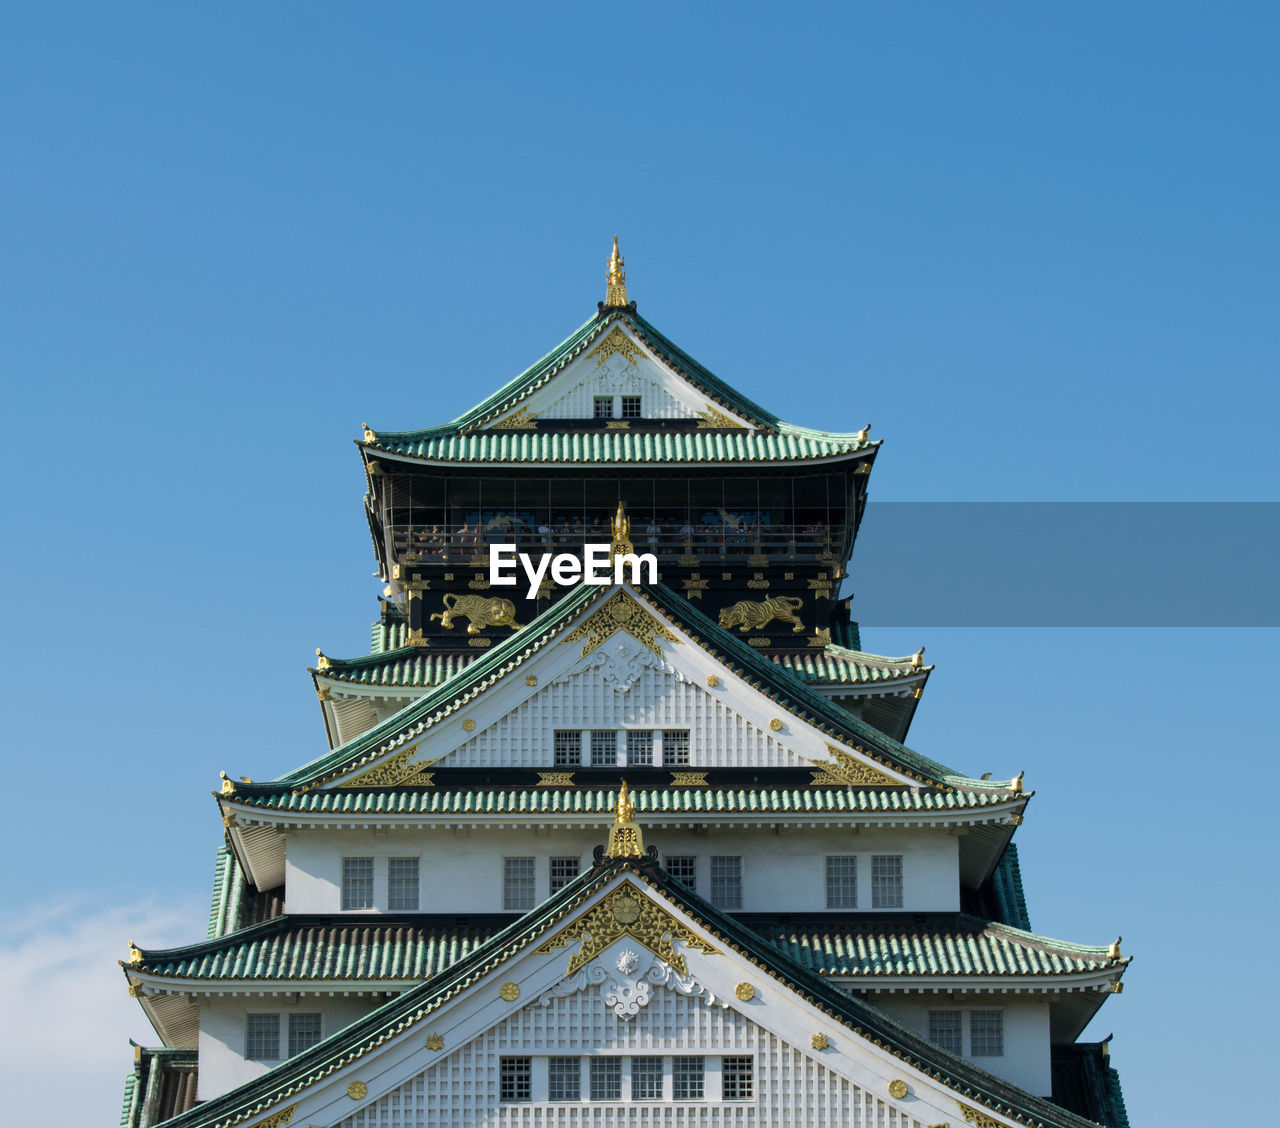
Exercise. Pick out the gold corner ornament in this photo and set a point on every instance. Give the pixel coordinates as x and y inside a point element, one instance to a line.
<point>1113,952</point>
<point>627,912</point>
<point>322,662</point>
<point>135,954</point>
<point>615,290</point>
<point>615,342</point>
<point>621,526</point>
<point>1015,785</point>
<point>228,784</point>
<point>709,419</point>
<point>399,771</point>
<point>844,768</point>
<point>521,420</point>
<point>978,1117</point>
<point>278,1119</point>
<point>620,612</point>
<point>625,839</point>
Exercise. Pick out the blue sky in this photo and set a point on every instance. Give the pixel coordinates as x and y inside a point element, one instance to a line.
<point>1034,246</point>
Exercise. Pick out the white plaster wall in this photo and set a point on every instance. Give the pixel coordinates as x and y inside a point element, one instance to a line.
<point>1026,1033</point>
<point>224,1026</point>
<point>781,872</point>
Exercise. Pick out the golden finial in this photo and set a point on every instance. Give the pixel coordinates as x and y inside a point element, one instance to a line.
<point>1114,950</point>
<point>624,835</point>
<point>615,291</point>
<point>228,785</point>
<point>135,955</point>
<point>917,659</point>
<point>621,545</point>
<point>1016,785</point>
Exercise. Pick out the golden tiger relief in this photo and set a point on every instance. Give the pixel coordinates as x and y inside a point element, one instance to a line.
<point>748,615</point>
<point>483,611</point>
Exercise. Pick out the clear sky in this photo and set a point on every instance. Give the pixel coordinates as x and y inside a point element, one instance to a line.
<point>1034,245</point>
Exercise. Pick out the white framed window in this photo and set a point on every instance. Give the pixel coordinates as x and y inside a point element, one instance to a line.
<point>675,746</point>
<point>304,1032</point>
<point>262,1038</point>
<point>886,881</point>
<point>606,1078</point>
<point>684,868</point>
<point>563,871</point>
<point>842,881</point>
<point>603,407</point>
<point>646,1078</point>
<point>567,747</point>
<point>986,1033</point>
<point>402,884</point>
<point>630,407</point>
<point>515,1080</point>
<point>737,1078</point>
<point>726,882</point>
<point>688,1079</point>
<point>564,1079</point>
<point>944,1030</point>
<point>518,892</point>
<point>604,748</point>
<point>357,883</point>
<point>640,748</point>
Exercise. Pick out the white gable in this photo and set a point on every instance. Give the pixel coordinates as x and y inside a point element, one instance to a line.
<point>616,364</point>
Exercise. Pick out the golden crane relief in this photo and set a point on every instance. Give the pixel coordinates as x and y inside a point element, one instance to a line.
<point>749,615</point>
<point>615,291</point>
<point>482,611</point>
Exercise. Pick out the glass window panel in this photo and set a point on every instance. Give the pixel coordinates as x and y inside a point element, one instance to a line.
<point>568,747</point>
<point>606,1078</point>
<point>604,748</point>
<point>726,882</point>
<point>604,407</point>
<point>944,1030</point>
<point>886,882</point>
<point>304,1032</point>
<point>402,884</point>
<point>563,871</point>
<point>646,1078</point>
<point>737,1076</point>
<point>564,1078</point>
<point>639,748</point>
<point>683,867</point>
<point>842,882</point>
<point>986,1033</point>
<point>262,1041</point>
<point>517,884</point>
<point>515,1079</point>
<point>630,407</point>
<point>688,1081</point>
<point>675,746</point>
<point>357,883</point>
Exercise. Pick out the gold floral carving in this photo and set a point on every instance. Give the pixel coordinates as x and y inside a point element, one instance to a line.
<point>555,779</point>
<point>709,418</point>
<point>468,725</point>
<point>977,1117</point>
<point>615,341</point>
<point>694,586</point>
<point>400,770</point>
<point>712,680</point>
<point>689,779</point>
<point>522,420</point>
<point>776,724</point>
<point>532,679</point>
<point>278,1119</point>
<point>819,1042</point>
<point>898,1088</point>
<point>620,613</point>
<point>509,992</point>
<point>627,912</point>
<point>435,1042</point>
<point>745,992</point>
<point>357,1090</point>
<point>844,768</point>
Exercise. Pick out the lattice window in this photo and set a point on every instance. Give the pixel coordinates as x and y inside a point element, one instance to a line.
<point>357,883</point>
<point>842,882</point>
<point>262,1038</point>
<point>646,1078</point>
<point>402,884</point>
<point>564,1078</point>
<point>304,1032</point>
<point>737,1078</point>
<point>886,881</point>
<point>639,748</point>
<point>726,882</point>
<point>603,407</point>
<point>568,747</point>
<point>986,1033</point>
<point>604,748</point>
<point>563,871</point>
<point>518,884</point>
<point>675,746</point>
<point>688,1079</point>
<point>630,407</point>
<point>944,1030</point>
<point>515,1079</point>
<point>606,1078</point>
<point>684,868</point>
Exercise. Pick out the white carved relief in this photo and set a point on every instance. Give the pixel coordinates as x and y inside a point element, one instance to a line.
<point>627,993</point>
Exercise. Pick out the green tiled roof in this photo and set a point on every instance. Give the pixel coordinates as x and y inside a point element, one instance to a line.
<point>835,664</point>
<point>304,948</point>
<point>775,441</point>
<point>227,889</point>
<point>963,1078</point>
<point>1006,884</point>
<point>600,802</point>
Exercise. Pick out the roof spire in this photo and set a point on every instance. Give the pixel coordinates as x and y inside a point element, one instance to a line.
<point>624,836</point>
<point>615,292</point>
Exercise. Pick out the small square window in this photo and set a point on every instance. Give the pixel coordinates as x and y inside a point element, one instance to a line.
<point>683,867</point>
<point>357,883</point>
<point>726,882</point>
<point>515,1079</point>
<point>886,882</point>
<point>606,1078</point>
<point>986,1033</point>
<point>630,407</point>
<point>675,746</point>
<point>304,1032</point>
<point>842,882</point>
<point>568,747</point>
<point>563,871</point>
<point>604,748</point>
<point>944,1030</point>
<point>646,1078</point>
<point>402,884</point>
<point>604,407</point>
<point>737,1078</point>
<point>688,1079</point>
<point>262,1042</point>
<point>640,748</point>
<point>564,1078</point>
<point>517,884</point>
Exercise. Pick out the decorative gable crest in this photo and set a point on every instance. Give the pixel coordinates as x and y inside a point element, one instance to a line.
<point>620,613</point>
<point>843,768</point>
<point>399,771</point>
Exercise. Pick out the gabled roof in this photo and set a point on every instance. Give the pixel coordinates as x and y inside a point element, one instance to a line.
<point>767,440</point>
<point>877,1032</point>
<point>764,675</point>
